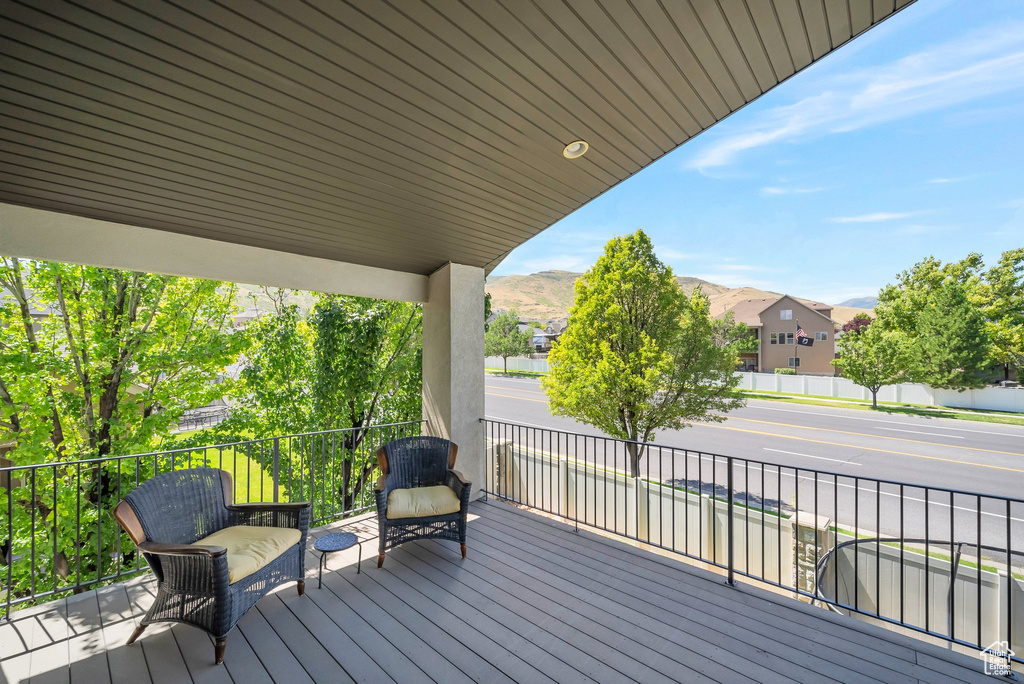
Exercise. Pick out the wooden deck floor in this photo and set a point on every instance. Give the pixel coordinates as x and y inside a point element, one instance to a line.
<point>533,602</point>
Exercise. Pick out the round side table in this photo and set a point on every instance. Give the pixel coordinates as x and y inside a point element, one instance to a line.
<point>337,541</point>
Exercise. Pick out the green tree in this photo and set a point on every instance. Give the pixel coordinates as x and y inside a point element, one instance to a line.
<point>1002,302</point>
<point>117,360</point>
<point>355,363</point>
<point>367,371</point>
<point>504,338</point>
<point>951,348</point>
<point>487,310</point>
<point>873,358</point>
<point>638,355</point>
<point>273,393</point>
<point>939,310</point>
<point>112,362</point>
<point>726,332</point>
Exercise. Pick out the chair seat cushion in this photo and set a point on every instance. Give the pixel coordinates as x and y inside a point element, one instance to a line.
<point>422,502</point>
<point>251,548</point>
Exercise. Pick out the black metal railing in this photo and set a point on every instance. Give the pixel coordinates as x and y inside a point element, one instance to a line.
<point>943,562</point>
<point>58,533</point>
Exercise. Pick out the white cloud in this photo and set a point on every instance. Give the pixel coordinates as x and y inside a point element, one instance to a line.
<point>873,218</point>
<point>980,64</point>
<point>777,190</point>
<point>947,180</point>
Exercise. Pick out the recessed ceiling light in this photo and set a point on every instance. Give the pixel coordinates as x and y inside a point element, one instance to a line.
<point>575,149</point>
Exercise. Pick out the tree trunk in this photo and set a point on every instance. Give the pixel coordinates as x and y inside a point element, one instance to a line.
<point>874,398</point>
<point>635,454</point>
<point>505,359</point>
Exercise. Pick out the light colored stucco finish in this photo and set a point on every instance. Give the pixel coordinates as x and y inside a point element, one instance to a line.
<point>816,360</point>
<point>53,236</point>
<point>453,356</point>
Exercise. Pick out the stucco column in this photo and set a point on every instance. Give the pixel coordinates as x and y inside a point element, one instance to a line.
<point>453,364</point>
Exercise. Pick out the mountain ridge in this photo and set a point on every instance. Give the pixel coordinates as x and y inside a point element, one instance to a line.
<point>547,295</point>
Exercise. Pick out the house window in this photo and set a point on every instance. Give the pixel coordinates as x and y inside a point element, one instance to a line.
<point>786,315</point>
<point>821,337</point>
<point>774,338</point>
<point>794,362</point>
<point>789,337</point>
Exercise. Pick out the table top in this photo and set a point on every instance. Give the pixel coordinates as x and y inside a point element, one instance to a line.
<point>336,541</point>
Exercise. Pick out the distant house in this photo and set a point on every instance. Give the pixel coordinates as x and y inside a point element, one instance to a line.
<point>774,322</point>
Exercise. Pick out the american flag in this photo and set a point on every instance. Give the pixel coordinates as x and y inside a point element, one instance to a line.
<point>800,332</point>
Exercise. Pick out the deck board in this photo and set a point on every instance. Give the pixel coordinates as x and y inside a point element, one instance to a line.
<point>534,601</point>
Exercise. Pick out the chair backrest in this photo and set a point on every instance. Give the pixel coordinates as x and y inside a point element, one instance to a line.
<point>182,506</point>
<point>417,461</point>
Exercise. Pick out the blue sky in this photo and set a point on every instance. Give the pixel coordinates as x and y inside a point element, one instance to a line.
<point>908,142</point>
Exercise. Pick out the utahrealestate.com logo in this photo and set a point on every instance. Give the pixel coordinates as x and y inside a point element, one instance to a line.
<point>997,659</point>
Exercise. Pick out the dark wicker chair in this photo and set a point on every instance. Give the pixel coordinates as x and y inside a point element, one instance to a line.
<point>411,463</point>
<point>166,515</point>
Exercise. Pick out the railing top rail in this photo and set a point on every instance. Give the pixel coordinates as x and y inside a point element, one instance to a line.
<point>180,450</point>
<point>831,473</point>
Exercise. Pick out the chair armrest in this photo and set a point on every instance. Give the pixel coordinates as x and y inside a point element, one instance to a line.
<point>291,515</point>
<point>196,571</point>
<point>159,549</point>
<point>461,487</point>
<point>268,506</point>
<point>461,478</point>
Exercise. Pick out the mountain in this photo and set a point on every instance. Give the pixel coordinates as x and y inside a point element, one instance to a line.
<point>861,302</point>
<point>548,295</point>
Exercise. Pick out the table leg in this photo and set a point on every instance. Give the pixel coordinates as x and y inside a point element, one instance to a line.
<point>360,563</point>
<point>320,580</point>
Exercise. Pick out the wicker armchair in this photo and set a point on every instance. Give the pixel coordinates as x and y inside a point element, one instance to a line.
<point>252,548</point>
<point>420,495</point>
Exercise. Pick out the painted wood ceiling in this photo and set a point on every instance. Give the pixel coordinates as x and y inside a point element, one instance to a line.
<point>401,134</point>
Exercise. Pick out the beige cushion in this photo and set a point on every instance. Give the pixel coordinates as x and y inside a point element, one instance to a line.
<point>421,502</point>
<point>251,548</point>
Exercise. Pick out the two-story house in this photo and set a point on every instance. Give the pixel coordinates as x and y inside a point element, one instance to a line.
<point>774,322</point>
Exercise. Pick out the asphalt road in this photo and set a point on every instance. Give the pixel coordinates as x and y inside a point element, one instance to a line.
<point>823,454</point>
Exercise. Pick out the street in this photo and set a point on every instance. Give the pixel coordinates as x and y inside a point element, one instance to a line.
<point>802,447</point>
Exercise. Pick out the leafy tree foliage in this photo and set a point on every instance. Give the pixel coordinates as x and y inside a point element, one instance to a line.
<point>112,362</point>
<point>857,324</point>
<point>504,338</point>
<point>638,355</point>
<point>1001,294</point>
<point>726,332</point>
<point>951,348</point>
<point>940,310</point>
<point>119,357</point>
<point>273,391</point>
<point>354,363</point>
<point>873,358</point>
<point>487,310</point>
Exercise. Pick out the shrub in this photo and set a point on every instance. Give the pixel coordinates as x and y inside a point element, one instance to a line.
<point>785,371</point>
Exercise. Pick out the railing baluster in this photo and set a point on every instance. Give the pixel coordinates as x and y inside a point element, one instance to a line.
<point>277,467</point>
<point>729,521</point>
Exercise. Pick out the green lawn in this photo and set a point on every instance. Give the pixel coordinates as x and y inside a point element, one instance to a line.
<point>252,483</point>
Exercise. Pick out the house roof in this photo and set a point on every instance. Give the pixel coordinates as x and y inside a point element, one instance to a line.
<point>749,310</point>
<point>395,135</point>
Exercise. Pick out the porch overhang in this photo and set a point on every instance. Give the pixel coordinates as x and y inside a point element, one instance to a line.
<point>396,136</point>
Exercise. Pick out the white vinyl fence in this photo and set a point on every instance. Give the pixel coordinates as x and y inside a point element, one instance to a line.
<point>1007,399</point>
